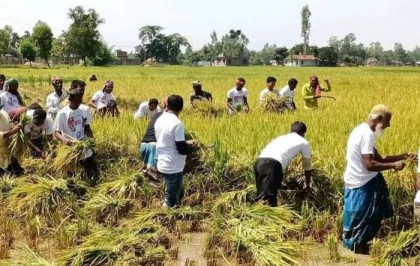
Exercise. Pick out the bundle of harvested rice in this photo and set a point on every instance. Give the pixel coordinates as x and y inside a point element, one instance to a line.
<point>205,107</point>
<point>19,142</point>
<point>68,156</point>
<point>273,103</point>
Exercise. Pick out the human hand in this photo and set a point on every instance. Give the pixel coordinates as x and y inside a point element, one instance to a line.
<point>411,157</point>
<point>398,165</point>
<point>68,142</point>
<point>193,143</point>
<point>326,81</point>
<point>16,128</point>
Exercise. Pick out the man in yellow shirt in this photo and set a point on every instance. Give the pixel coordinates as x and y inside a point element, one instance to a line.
<point>312,91</point>
<point>7,129</point>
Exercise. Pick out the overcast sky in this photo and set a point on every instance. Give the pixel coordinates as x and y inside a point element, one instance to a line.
<point>272,21</point>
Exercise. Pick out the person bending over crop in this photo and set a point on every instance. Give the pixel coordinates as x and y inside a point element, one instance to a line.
<point>172,150</point>
<point>237,98</point>
<point>288,92</point>
<point>55,98</point>
<point>199,94</point>
<point>72,124</point>
<point>147,109</point>
<point>270,89</point>
<point>8,164</point>
<point>40,128</point>
<point>312,91</point>
<point>274,159</point>
<point>148,147</point>
<point>10,98</point>
<point>104,101</point>
<point>366,195</point>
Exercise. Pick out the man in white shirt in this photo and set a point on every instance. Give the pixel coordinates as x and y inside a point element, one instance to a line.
<point>274,159</point>
<point>288,92</point>
<point>54,99</point>
<point>73,123</point>
<point>366,195</point>
<point>271,83</point>
<point>237,97</point>
<point>10,98</point>
<point>104,101</point>
<point>147,109</point>
<point>41,125</point>
<point>172,150</point>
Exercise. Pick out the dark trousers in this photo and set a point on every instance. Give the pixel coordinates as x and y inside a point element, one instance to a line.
<point>268,178</point>
<point>91,169</point>
<point>174,189</point>
<point>14,168</point>
<point>39,143</point>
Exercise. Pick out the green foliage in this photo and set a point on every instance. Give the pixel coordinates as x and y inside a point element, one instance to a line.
<point>28,50</point>
<point>103,56</point>
<point>42,37</point>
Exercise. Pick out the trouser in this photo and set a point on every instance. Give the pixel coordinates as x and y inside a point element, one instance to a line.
<point>13,169</point>
<point>39,143</point>
<point>91,169</point>
<point>268,178</point>
<point>174,190</point>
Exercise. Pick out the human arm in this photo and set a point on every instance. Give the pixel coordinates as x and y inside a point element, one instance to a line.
<point>15,129</point>
<point>307,93</point>
<point>184,147</point>
<point>93,102</point>
<point>375,166</point>
<point>51,106</point>
<point>393,158</point>
<point>246,109</point>
<point>59,136</point>
<point>88,131</point>
<point>328,88</point>
<point>230,104</point>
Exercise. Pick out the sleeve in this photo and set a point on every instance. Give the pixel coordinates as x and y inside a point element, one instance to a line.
<point>282,92</point>
<point>96,96</point>
<point>137,114</point>
<point>261,95</point>
<point>367,144</point>
<point>50,106</point>
<point>88,117</point>
<point>305,93</point>
<point>179,132</point>
<point>230,94</point>
<point>49,129</point>
<point>306,151</point>
<point>246,93</point>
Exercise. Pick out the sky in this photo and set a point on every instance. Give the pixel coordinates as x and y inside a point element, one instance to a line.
<point>264,21</point>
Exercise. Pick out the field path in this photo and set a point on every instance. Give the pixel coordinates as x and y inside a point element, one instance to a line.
<point>193,250</point>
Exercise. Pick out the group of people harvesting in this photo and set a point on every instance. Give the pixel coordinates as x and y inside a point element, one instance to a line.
<point>164,148</point>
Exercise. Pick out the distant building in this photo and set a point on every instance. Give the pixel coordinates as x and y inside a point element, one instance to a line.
<point>301,61</point>
<point>372,61</point>
<point>121,54</point>
<point>223,60</point>
<point>202,64</point>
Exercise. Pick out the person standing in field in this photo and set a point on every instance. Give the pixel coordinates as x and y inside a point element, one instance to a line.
<point>237,98</point>
<point>288,92</point>
<point>55,98</point>
<point>148,152</point>
<point>312,91</point>
<point>199,94</point>
<point>172,150</point>
<point>270,89</point>
<point>147,109</point>
<point>273,160</point>
<point>366,195</point>
<point>73,123</point>
<point>10,98</point>
<point>93,78</point>
<point>8,164</point>
<point>104,101</point>
<point>2,81</point>
<point>41,126</point>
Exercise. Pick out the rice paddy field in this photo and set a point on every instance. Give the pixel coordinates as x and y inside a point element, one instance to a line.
<point>47,218</point>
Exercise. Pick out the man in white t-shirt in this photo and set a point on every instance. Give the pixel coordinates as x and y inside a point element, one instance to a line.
<point>366,195</point>
<point>41,125</point>
<point>274,159</point>
<point>73,123</point>
<point>172,150</point>
<point>54,99</point>
<point>147,109</point>
<point>10,98</point>
<point>288,92</point>
<point>270,89</point>
<point>237,97</point>
<point>104,101</point>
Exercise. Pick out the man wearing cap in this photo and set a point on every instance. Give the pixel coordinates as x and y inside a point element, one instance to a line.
<point>41,125</point>
<point>147,109</point>
<point>237,97</point>
<point>366,195</point>
<point>104,101</point>
<point>8,164</point>
<point>2,81</point>
<point>272,162</point>
<point>312,91</point>
<point>73,123</point>
<point>55,98</point>
<point>11,99</point>
<point>199,94</point>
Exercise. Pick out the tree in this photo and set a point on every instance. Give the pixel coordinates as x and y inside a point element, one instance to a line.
<point>9,41</point>
<point>83,37</point>
<point>4,41</point>
<point>306,27</point>
<point>328,56</point>
<point>42,37</point>
<point>399,53</point>
<point>103,56</point>
<point>28,50</point>
<point>375,50</point>
<point>280,54</point>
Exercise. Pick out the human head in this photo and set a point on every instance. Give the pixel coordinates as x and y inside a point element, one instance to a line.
<point>175,104</point>
<point>292,83</point>
<point>240,83</point>
<point>314,81</point>
<point>2,80</point>
<point>39,117</point>
<point>197,86</point>
<point>109,86</point>
<point>298,128</point>
<point>271,83</point>
<point>93,78</point>
<point>75,97</point>
<point>34,106</point>
<point>12,86</point>
<point>153,104</point>
<point>78,84</point>
<point>379,119</point>
<point>57,83</point>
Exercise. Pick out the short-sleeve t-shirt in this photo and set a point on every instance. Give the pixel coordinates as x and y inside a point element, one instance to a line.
<point>361,142</point>
<point>101,99</point>
<point>284,148</point>
<point>168,130</point>
<point>9,101</point>
<point>237,96</point>
<point>35,131</point>
<point>71,123</point>
<point>144,111</point>
<point>287,93</point>
<point>266,91</point>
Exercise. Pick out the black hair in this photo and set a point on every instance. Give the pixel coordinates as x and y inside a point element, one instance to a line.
<point>271,79</point>
<point>298,127</point>
<point>2,76</point>
<point>77,84</point>
<point>153,101</point>
<point>112,104</point>
<point>293,81</point>
<point>40,114</point>
<point>241,80</point>
<point>175,103</point>
<point>35,106</point>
